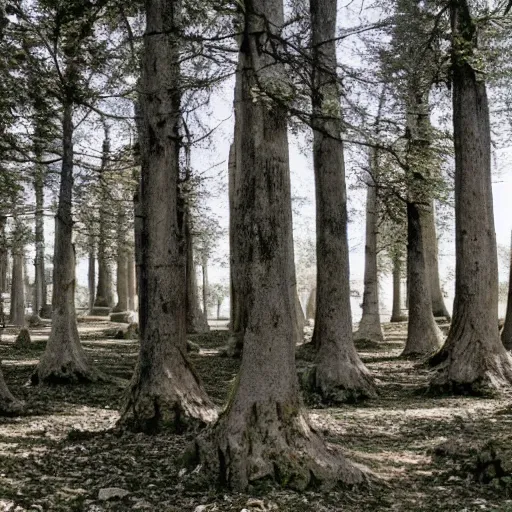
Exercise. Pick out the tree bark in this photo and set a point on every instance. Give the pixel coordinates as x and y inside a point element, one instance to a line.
<point>64,359</point>
<point>91,274</point>
<point>9,406</point>
<point>263,433</point>
<point>506,334</point>
<point>370,328</point>
<point>396,313</point>
<point>165,392</point>
<point>311,305</point>
<point>432,257</point>
<point>339,374</point>
<point>4,255</point>
<point>40,300</point>
<point>205,287</point>
<point>122,267</point>
<point>473,359</point>
<point>423,334</point>
<point>132,287</point>
<point>17,313</point>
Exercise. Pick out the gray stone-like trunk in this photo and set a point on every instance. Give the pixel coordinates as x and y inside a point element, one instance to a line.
<point>64,359</point>
<point>396,312</point>
<point>339,374</point>
<point>17,313</point>
<point>370,328</point>
<point>165,391</point>
<point>473,359</point>
<point>506,334</point>
<point>264,433</point>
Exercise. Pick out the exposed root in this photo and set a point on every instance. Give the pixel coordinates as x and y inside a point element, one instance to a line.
<point>68,373</point>
<point>10,407</point>
<point>262,449</point>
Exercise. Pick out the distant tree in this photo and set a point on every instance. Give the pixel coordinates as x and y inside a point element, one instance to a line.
<point>506,334</point>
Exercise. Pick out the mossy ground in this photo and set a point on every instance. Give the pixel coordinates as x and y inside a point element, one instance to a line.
<point>61,452</point>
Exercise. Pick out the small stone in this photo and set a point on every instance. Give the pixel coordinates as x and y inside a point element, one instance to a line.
<point>143,505</point>
<point>201,508</point>
<point>110,493</point>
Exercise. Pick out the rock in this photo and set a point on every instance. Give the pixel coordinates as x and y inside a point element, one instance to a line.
<point>110,493</point>
<point>23,339</point>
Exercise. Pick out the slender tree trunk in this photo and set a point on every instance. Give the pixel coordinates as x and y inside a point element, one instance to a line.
<point>122,267</point>
<point>396,313</point>
<point>263,433</point>
<point>219,304</point>
<point>423,334</point>
<point>370,328</point>
<point>165,392</point>
<point>431,254</point>
<point>473,359</point>
<point>4,255</point>
<point>64,359</point>
<point>9,406</point>
<point>40,279</point>
<point>311,305</point>
<point>196,320</point>
<point>132,288</point>
<point>17,313</point>
<point>506,334</point>
<point>205,287</point>
<point>339,374</point>
<point>91,275</point>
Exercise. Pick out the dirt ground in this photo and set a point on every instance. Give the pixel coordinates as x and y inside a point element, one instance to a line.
<point>435,454</point>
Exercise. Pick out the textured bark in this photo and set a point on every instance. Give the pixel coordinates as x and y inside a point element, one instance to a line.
<point>91,275</point>
<point>9,406</point>
<point>132,287</point>
<point>263,434</point>
<point>339,374</point>
<point>432,261</point>
<point>196,320</point>
<point>506,334</point>
<point>473,359</point>
<point>205,287</point>
<point>396,313</point>
<point>40,299</point>
<point>311,305</point>
<point>370,328</point>
<point>104,294</point>
<point>164,392</point>
<point>17,313</point>
<point>4,258</point>
<point>423,334</point>
<point>64,359</point>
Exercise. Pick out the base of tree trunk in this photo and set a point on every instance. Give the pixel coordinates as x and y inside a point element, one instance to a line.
<point>35,321</point>
<point>100,311</point>
<point>477,370</point>
<point>46,312</point>
<point>266,446</point>
<point>369,332</point>
<point>346,381</point>
<point>23,340</point>
<point>9,406</point>
<point>399,318</point>
<point>121,317</point>
<point>170,398</point>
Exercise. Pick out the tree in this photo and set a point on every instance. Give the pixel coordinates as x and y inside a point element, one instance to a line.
<point>473,359</point>
<point>165,391</point>
<point>339,374</point>
<point>506,334</point>
<point>263,432</point>
<point>8,404</point>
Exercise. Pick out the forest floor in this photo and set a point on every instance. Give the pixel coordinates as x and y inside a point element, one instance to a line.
<point>435,454</point>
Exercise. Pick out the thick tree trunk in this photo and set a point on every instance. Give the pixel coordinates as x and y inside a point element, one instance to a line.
<point>205,287</point>
<point>473,359</point>
<point>91,275</point>
<point>132,287</point>
<point>423,334</point>
<point>64,359</point>
<point>506,334</point>
<point>432,261</point>
<point>263,433</point>
<point>396,313</point>
<point>196,320</point>
<point>164,391</point>
<point>9,405</point>
<point>339,374</point>
<point>370,328</point>
<point>17,313</point>
<point>39,263</point>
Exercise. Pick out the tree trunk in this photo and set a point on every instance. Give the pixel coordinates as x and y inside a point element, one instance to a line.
<point>91,275</point>
<point>396,313</point>
<point>263,433</point>
<point>205,287</point>
<point>432,257</point>
<point>506,334</point>
<point>132,287</point>
<point>122,268</point>
<point>17,313</point>
<point>104,295</point>
<point>64,359</point>
<point>370,328</point>
<point>164,391</point>
<point>39,264</point>
<point>219,304</point>
<point>339,374</point>
<point>4,255</point>
<point>311,305</point>
<point>196,320</point>
<point>9,405</point>
<point>473,359</point>
<point>423,334</point>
